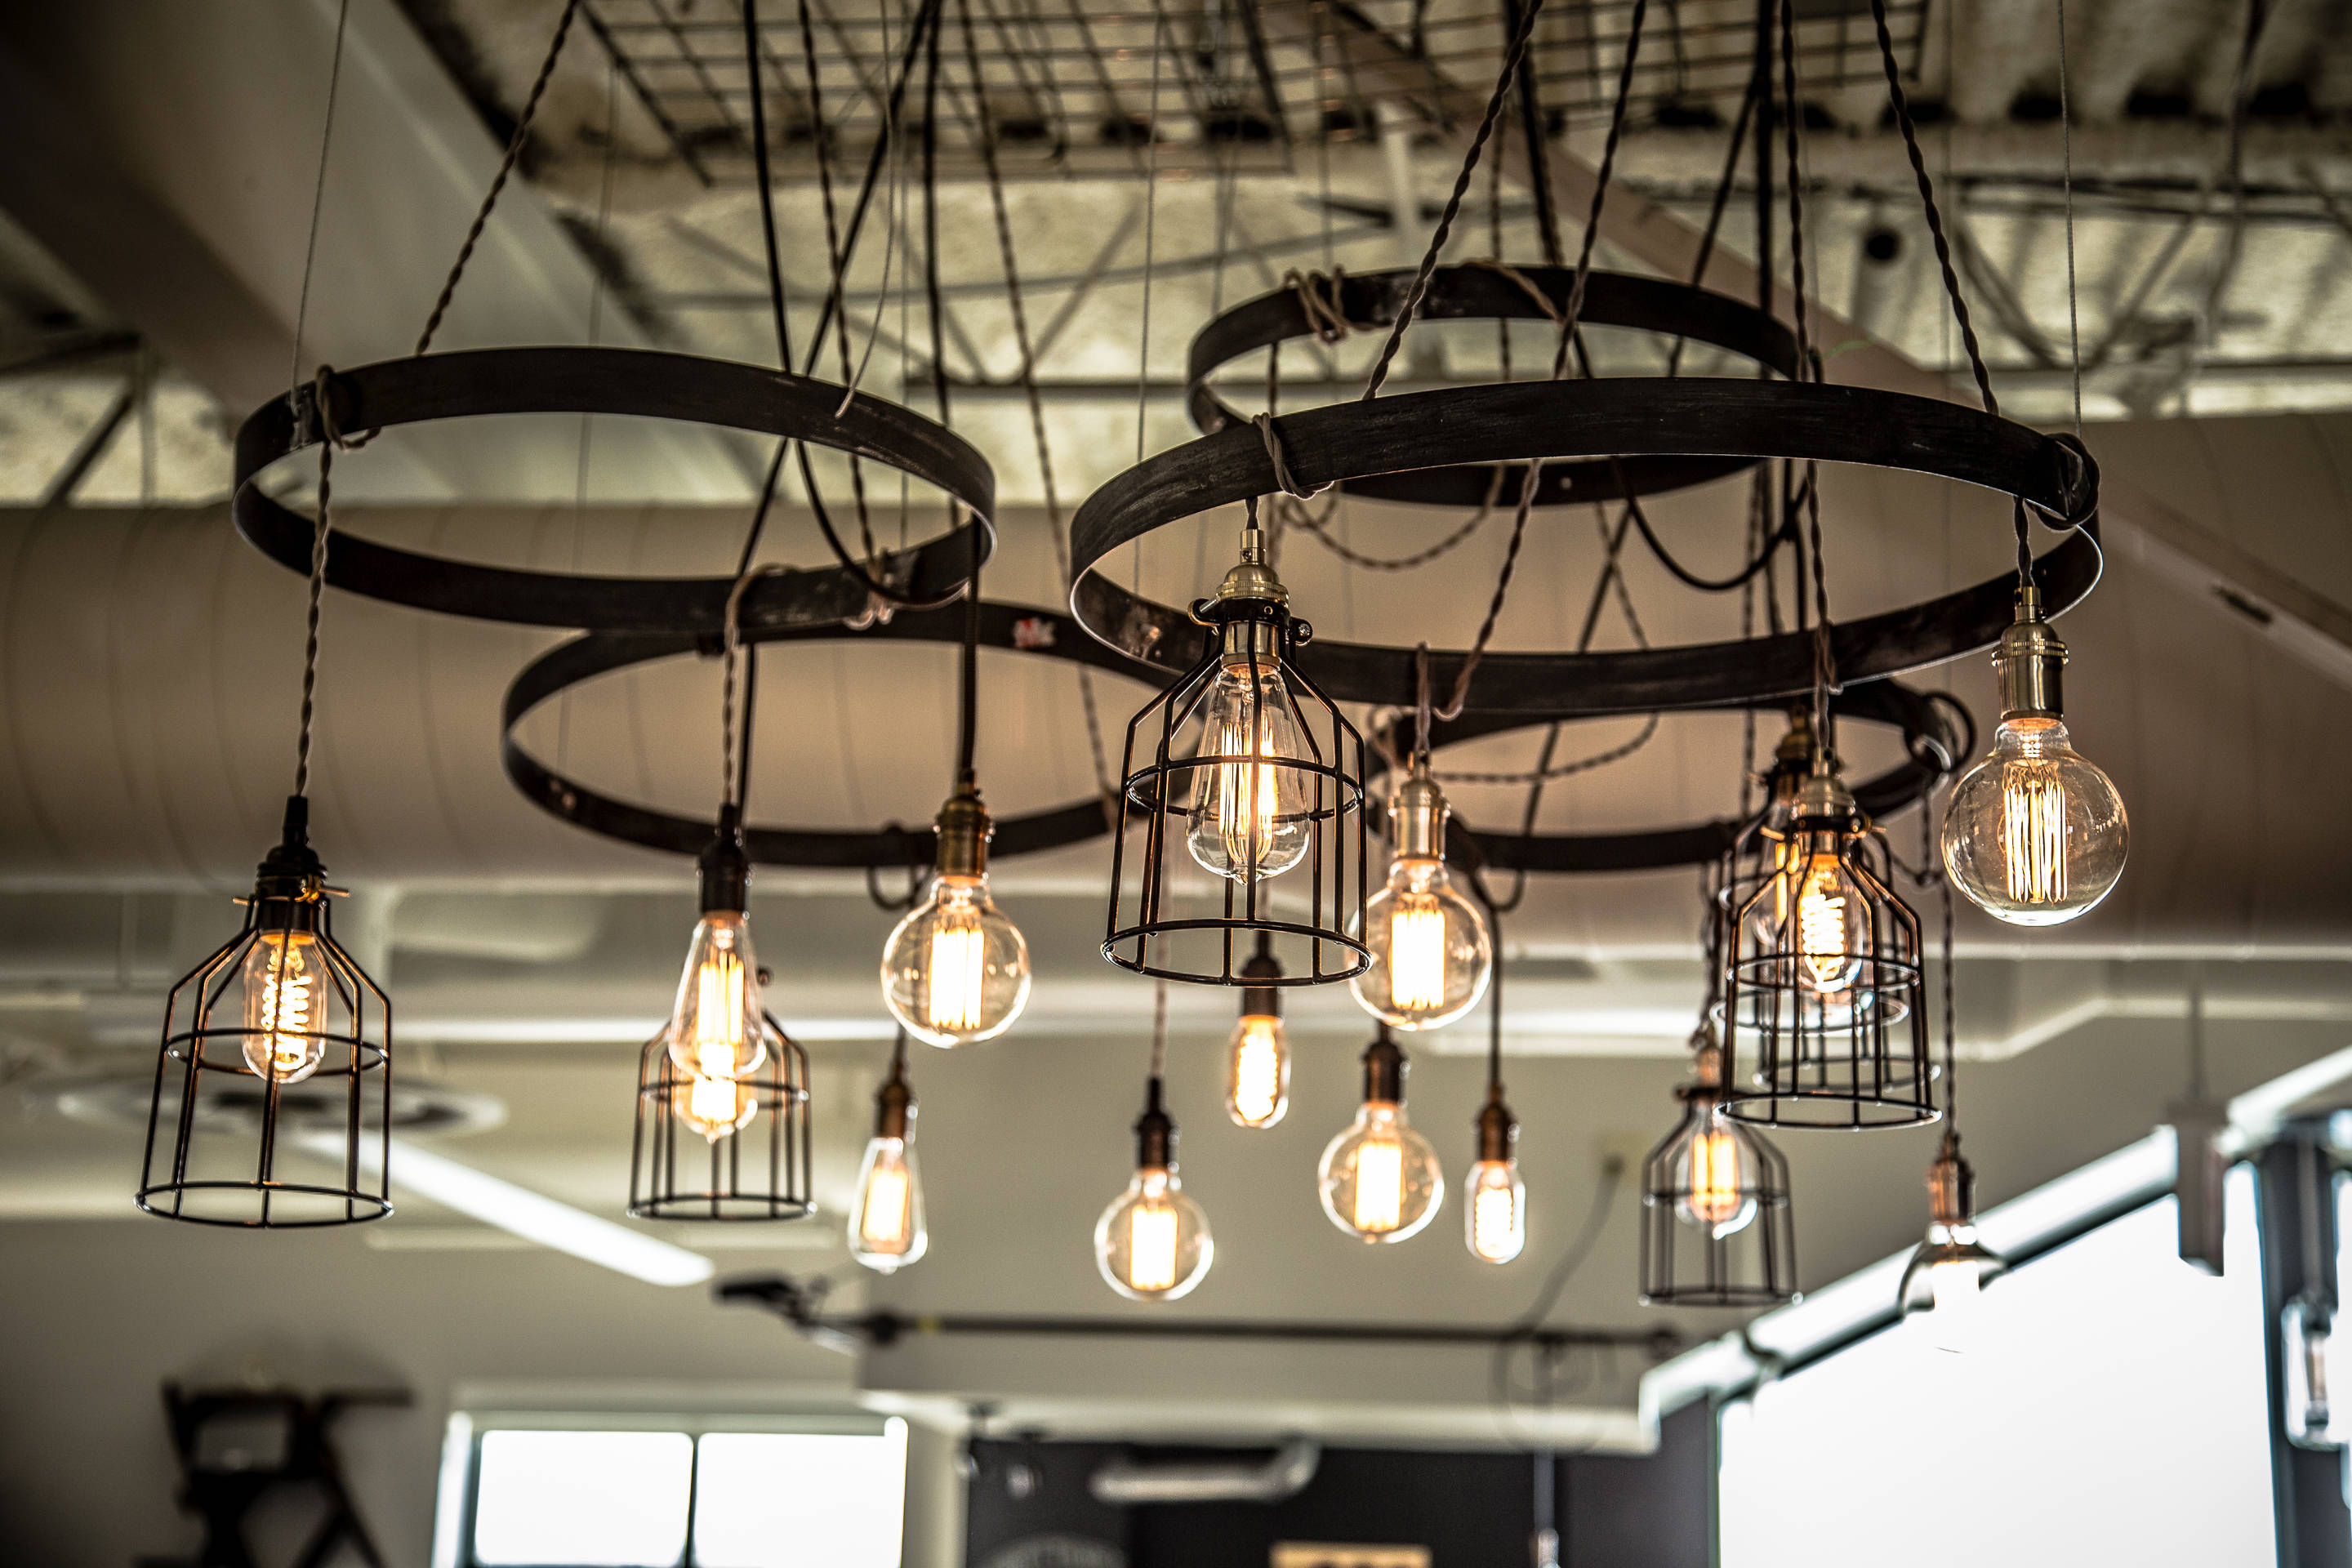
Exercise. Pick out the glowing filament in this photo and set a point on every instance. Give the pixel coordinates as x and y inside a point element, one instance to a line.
<point>1714,1178</point>
<point>718,1015</point>
<point>1257,1071</point>
<point>1822,927</point>
<point>1248,793</point>
<point>1379,1184</point>
<point>1494,1221</point>
<point>1417,953</point>
<point>1152,1246</point>
<point>882,1216</point>
<point>958,964</point>
<point>2033,836</point>
<point>280,993</point>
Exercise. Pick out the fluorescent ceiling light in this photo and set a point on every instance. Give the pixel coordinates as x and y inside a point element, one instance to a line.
<point>529,1215</point>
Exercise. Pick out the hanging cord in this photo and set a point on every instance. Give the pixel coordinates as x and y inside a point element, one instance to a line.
<point>1931,869</point>
<point>732,777</point>
<point>330,436</point>
<point>821,130</point>
<point>2066,182</point>
<point>2242,83</point>
<point>318,206</point>
<point>1158,1029</point>
<point>1809,368</point>
<point>968,690</point>
<point>1494,994</point>
<point>1150,224</point>
<point>1028,373</point>
<point>1532,132</point>
<point>1405,311</point>
<point>506,168</point>
<point>1567,337</point>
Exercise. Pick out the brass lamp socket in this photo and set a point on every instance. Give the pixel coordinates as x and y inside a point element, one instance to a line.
<point>1155,1133</point>
<point>290,884</point>
<point>1384,1072</point>
<point>1498,1129</point>
<point>1823,799</point>
<point>1253,576</point>
<point>1951,1186</point>
<point>1417,815</point>
<point>1261,999</point>
<point>2029,659</point>
<point>894,1107</point>
<point>964,829</point>
<point>725,868</point>
<point>1706,1072</point>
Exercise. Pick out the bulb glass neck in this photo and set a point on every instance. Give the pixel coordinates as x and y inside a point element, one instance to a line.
<point>2029,659</point>
<point>964,828</point>
<point>1384,1074</point>
<point>726,867</point>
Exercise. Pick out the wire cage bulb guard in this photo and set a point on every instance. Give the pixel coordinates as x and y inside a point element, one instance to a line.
<point>1153,1243</point>
<point>1431,953</point>
<point>1821,976</point>
<point>1951,1267</point>
<point>887,1228</point>
<point>1717,1229</point>
<point>279,1037</point>
<point>1268,794</point>
<point>2035,833</point>
<point>955,970</point>
<point>722,1148</point>
<point>1379,1179</point>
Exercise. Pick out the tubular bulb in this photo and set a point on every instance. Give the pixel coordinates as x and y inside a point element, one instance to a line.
<point>715,1107</point>
<point>885,1229</point>
<point>1258,1079</point>
<point>1494,1211</point>
<point>283,1007</point>
<point>715,1027</point>
<point>1251,815</point>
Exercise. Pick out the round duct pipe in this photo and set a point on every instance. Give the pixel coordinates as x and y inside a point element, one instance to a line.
<point>1126,1482</point>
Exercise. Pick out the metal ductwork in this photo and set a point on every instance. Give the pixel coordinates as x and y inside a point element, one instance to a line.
<point>1127,1482</point>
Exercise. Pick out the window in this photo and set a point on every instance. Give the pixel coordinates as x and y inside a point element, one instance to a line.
<point>2114,1411</point>
<point>557,1496</point>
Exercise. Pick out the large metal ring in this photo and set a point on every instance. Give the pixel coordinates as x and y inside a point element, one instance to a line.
<point>1632,415</point>
<point>619,381</point>
<point>1482,293</point>
<point>1940,737</point>
<point>1015,628</point>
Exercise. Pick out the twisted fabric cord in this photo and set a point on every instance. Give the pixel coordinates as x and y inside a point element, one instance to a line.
<point>1283,477</point>
<point>330,436</point>
<point>1294,515</point>
<point>729,782</point>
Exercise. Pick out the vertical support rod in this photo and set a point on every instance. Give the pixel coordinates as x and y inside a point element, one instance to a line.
<point>2298,1182</point>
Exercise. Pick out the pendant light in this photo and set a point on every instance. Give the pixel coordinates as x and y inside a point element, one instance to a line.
<point>1432,955</point>
<point>1153,1243</point>
<point>280,1005</point>
<point>955,971</point>
<point>2034,834</point>
<point>1257,1057</point>
<point>1494,1198</point>
<point>1380,1180</point>
<point>886,1223</point>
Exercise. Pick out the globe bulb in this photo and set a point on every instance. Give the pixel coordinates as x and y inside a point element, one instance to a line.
<point>1431,954</point>
<point>715,1107</point>
<point>1153,1243</point>
<point>714,1028</point>
<point>1380,1180</point>
<point>1494,1211</point>
<point>2034,834</point>
<point>885,1225</point>
<point>1712,1168</point>
<point>1257,1057</point>
<point>1251,815</point>
<point>284,1006</point>
<point>955,971</point>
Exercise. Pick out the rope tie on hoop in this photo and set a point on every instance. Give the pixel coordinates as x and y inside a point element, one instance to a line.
<point>1283,476</point>
<point>1318,301</point>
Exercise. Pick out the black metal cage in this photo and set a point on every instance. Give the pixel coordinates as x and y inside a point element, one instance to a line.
<point>277,1045</point>
<point>759,1169</point>
<point>1716,1231</point>
<point>1311,906</point>
<point>1821,980</point>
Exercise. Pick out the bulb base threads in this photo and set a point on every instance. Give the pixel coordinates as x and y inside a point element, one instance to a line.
<point>726,867</point>
<point>1155,1133</point>
<point>1417,815</point>
<point>964,828</point>
<point>2030,660</point>
<point>1384,1071</point>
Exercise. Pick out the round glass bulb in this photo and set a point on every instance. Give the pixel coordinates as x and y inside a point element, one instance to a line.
<point>1153,1244</point>
<point>1943,1284</point>
<point>886,1224</point>
<point>955,971</point>
<point>1250,815</point>
<point>714,1107</point>
<point>1494,1211</point>
<point>1380,1180</point>
<point>285,1006</point>
<point>1713,1167</point>
<point>1430,955</point>
<point>2034,834</point>
<point>715,1025</point>
<point>1257,1072</point>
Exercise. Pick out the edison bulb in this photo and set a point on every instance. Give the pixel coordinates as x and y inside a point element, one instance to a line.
<point>715,1107</point>
<point>1712,1168</point>
<point>2035,833</point>
<point>1494,1211</point>
<point>1430,955</point>
<point>1153,1244</point>
<point>885,1225</point>
<point>956,970</point>
<point>284,1006</point>
<point>1943,1288</point>
<point>1380,1180</point>
<point>1250,815</point>
<point>1825,926</point>
<point>1257,1072</point>
<point>715,1027</point>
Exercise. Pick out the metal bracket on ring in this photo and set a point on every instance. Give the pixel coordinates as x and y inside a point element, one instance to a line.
<point>1016,629</point>
<point>630,382</point>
